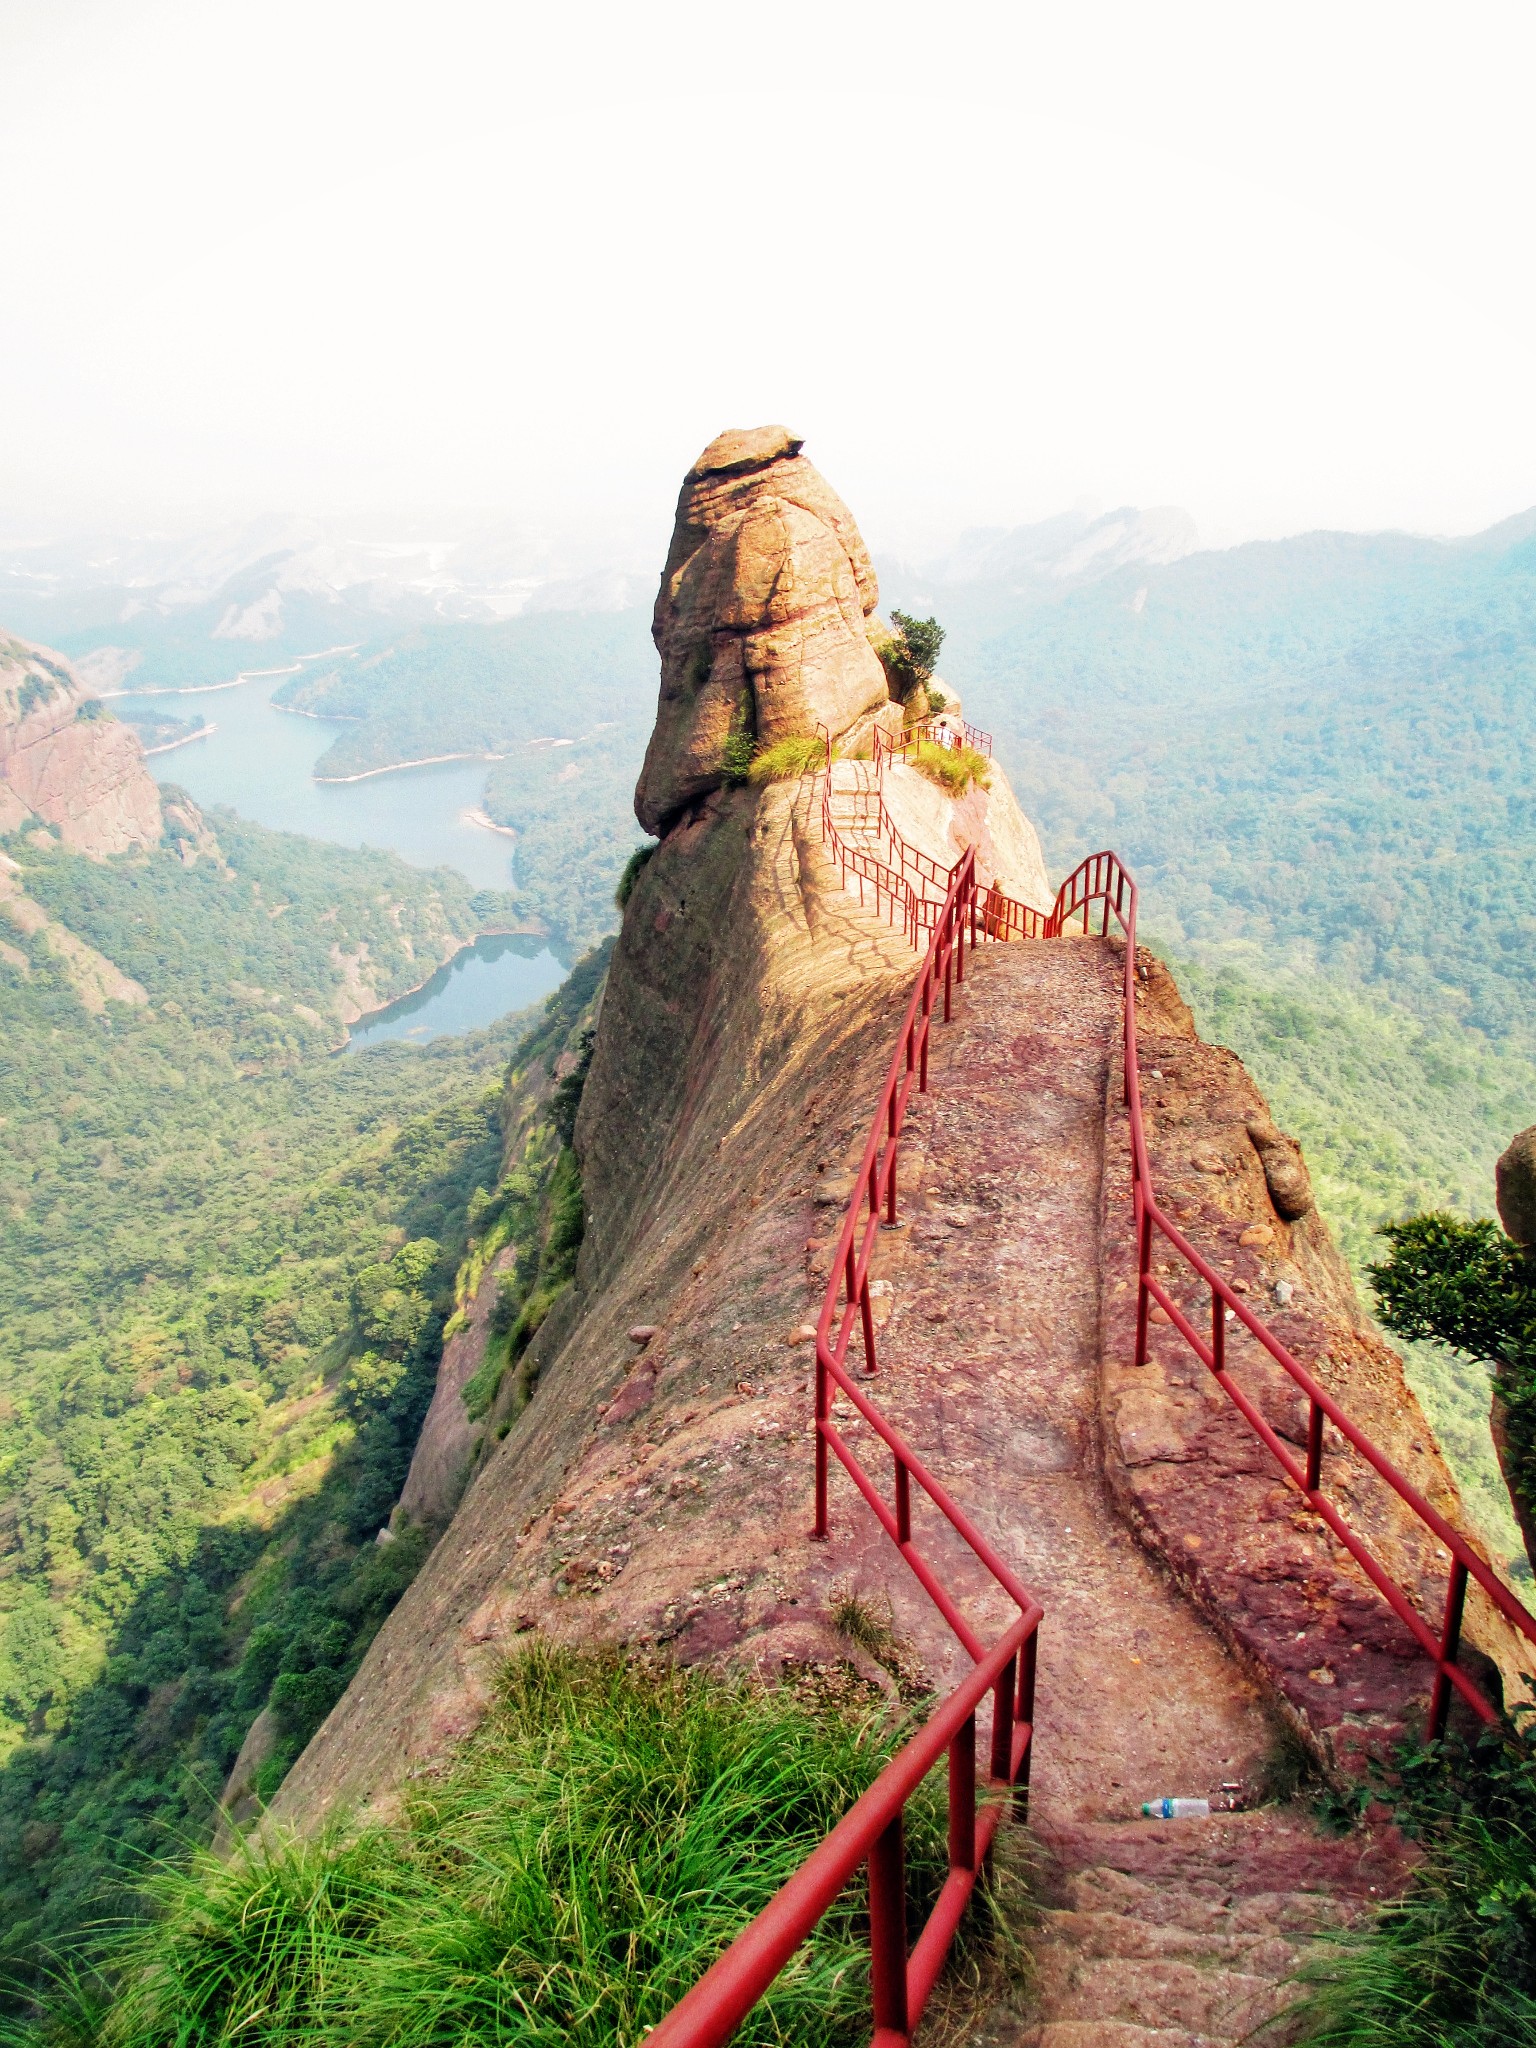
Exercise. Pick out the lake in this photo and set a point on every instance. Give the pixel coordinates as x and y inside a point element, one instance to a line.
<point>260,762</point>
<point>487,980</point>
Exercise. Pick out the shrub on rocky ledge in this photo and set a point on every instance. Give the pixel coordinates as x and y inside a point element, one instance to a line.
<point>952,768</point>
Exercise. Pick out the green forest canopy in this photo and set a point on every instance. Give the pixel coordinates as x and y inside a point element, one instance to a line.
<point>225,1260</point>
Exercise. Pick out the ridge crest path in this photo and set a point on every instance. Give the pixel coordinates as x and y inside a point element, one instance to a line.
<point>989,1344</point>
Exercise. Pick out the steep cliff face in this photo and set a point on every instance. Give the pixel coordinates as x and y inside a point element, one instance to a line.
<point>765,618</point>
<point>516,1273</point>
<point>1007,845</point>
<point>66,765</point>
<point>656,1488</point>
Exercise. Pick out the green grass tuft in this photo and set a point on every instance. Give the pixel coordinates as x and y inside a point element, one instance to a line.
<point>786,758</point>
<point>578,1865</point>
<point>952,768</point>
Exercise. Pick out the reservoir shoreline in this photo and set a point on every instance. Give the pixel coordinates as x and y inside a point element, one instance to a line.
<point>394,767</point>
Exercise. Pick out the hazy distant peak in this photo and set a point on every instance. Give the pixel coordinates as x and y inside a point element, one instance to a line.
<point>1509,533</point>
<point>1161,534</point>
<point>1069,548</point>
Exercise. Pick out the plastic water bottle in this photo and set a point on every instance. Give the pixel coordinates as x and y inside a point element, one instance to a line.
<point>1175,1809</point>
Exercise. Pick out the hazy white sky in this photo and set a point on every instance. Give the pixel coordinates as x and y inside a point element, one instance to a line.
<point>1269,262</point>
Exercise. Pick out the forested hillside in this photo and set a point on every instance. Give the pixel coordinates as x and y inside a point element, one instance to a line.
<point>483,689</point>
<point>226,1255</point>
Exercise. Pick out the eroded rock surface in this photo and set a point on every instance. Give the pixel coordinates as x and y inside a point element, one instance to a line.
<point>765,617</point>
<point>64,767</point>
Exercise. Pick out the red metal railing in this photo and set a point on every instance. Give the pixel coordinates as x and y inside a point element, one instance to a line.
<point>911,880</point>
<point>1102,880</point>
<point>871,1832</point>
<point>891,890</point>
<point>1004,917</point>
<point>899,745</point>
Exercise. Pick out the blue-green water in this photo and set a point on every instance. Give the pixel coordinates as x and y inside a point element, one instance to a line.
<point>484,982</point>
<point>260,761</point>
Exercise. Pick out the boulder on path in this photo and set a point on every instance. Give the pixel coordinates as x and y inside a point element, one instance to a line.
<point>764,621</point>
<point>1514,1179</point>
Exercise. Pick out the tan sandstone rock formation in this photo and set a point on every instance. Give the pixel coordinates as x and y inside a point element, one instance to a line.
<point>765,618</point>
<point>62,766</point>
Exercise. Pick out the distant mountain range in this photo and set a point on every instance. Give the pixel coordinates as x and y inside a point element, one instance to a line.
<point>1057,554</point>
<point>180,611</point>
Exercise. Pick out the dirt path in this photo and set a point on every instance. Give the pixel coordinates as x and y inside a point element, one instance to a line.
<point>1165,1932</point>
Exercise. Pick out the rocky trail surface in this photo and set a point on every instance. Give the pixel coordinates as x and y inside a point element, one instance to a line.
<point>1174,1932</point>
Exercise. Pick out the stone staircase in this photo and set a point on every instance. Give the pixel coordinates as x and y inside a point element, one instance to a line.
<point>1182,1934</point>
<point>855,807</point>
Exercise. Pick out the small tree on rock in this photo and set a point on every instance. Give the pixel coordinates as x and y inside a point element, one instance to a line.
<point>912,654</point>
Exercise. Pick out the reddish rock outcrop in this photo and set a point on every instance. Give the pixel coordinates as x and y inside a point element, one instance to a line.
<point>64,763</point>
<point>765,617</point>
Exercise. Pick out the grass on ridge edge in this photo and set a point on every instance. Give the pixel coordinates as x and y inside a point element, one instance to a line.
<point>578,1865</point>
<point>785,758</point>
<point>953,768</point>
<point>1452,1962</point>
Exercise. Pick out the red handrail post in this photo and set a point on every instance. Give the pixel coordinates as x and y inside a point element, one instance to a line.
<point>823,1417</point>
<point>1024,1710</point>
<point>1218,1332</point>
<point>1314,1447</point>
<point>1143,1267</point>
<point>903,1502</point>
<point>962,1797</point>
<point>1450,1643</point>
<point>888,1932</point>
<point>1002,1725</point>
<point>947,960</point>
<point>867,1317</point>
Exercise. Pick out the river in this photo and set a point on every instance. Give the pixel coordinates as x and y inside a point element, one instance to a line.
<point>260,761</point>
